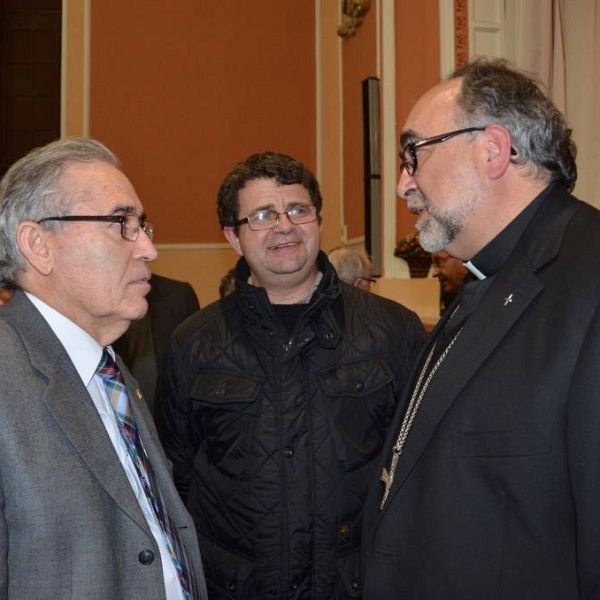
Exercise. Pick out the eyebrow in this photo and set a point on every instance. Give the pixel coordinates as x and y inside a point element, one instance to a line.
<point>261,208</point>
<point>292,204</point>
<point>406,137</point>
<point>127,208</point>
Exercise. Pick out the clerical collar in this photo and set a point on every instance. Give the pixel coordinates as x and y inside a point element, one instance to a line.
<point>494,255</point>
<point>474,270</point>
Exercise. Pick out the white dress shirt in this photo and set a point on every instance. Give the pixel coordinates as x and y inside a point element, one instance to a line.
<point>85,353</point>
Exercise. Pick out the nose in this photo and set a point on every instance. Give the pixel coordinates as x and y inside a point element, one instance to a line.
<point>406,183</point>
<point>145,248</point>
<point>283,222</point>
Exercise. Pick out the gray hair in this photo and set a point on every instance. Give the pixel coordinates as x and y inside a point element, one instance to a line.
<point>350,263</point>
<point>493,92</point>
<point>32,189</point>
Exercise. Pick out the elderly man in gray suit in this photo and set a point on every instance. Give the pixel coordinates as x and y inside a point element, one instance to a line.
<point>88,507</point>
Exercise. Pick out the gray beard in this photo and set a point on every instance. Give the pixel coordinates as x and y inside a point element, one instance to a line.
<point>436,234</point>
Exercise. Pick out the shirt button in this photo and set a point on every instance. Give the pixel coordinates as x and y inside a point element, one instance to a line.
<point>355,584</point>
<point>288,452</point>
<point>146,557</point>
<point>294,586</point>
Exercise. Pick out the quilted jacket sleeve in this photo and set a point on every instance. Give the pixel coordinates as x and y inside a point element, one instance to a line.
<point>173,417</point>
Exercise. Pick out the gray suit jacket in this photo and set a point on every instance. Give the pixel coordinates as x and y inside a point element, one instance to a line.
<point>70,525</point>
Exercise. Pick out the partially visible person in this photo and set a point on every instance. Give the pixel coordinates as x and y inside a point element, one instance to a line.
<point>450,272</point>
<point>277,398</point>
<point>143,345</point>
<point>491,478</point>
<point>227,284</point>
<point>5,295</point>
<point>88,509</point>
<point>353,266</point>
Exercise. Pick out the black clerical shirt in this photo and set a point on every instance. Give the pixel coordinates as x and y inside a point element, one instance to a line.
<point>487,262</point>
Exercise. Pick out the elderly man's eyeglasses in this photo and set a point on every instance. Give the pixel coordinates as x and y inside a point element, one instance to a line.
<point>267,219</point>
<point>131,223</point>
<point>409,152</point>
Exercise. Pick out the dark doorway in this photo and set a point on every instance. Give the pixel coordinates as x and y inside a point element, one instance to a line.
<point>30,59</point>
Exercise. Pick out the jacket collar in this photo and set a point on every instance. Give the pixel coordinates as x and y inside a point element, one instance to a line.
<point>322,318</point>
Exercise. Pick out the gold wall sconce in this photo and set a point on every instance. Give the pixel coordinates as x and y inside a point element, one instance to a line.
<point>353,12</point>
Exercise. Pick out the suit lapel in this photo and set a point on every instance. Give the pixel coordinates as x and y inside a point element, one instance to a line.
<point>498,311</point>
<point>69,404</point>
<point>71,407</point>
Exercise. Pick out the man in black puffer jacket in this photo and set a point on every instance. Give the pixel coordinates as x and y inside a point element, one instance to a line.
<point>277,399</point>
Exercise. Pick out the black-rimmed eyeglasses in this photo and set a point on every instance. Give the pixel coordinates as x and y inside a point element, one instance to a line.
<point>409,152</point>
<point>267,219</point>
<point>131,223</point>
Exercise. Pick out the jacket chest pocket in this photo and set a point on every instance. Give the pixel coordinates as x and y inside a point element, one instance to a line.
<point>225,410</point>
<point>359,401</point>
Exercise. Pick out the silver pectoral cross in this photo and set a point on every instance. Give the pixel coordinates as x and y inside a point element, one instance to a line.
<point>388,477</point>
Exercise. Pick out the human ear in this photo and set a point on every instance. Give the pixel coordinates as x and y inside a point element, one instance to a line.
<point>233,239</point>
<point>32,240</point>
<point>498,148</point>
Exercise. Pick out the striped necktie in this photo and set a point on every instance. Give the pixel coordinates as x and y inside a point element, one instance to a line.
<point>119,400</point>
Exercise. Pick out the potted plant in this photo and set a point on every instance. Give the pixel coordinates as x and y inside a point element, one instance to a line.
<point>419,260</point>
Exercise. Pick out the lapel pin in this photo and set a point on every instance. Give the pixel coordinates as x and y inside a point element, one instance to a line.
<point>508,300</point>
<point>138,393</point>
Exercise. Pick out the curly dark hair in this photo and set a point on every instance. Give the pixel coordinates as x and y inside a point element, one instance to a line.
<point>494,92</point>
<point>284,169</point>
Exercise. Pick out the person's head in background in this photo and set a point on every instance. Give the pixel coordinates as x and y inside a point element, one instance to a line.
<point>227,284</point>
<point>353,266</point>
<point>450,272</point>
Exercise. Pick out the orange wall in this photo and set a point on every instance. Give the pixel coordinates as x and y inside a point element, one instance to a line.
<point>183,90</point>
<point>417,69</point>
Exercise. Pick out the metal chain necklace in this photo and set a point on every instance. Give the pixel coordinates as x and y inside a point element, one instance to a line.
<point>387,477</point>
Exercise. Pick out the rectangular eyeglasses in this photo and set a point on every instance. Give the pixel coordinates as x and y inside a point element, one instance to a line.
<point>409,152</point>
<point>131,223</point>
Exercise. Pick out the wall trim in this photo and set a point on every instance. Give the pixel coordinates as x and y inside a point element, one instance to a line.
<point>447,37</point>
<point>75,68</point>
<point>391,266</point>
<point>461,33</point>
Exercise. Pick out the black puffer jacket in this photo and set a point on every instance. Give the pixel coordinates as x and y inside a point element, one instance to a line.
<point>274,440</point>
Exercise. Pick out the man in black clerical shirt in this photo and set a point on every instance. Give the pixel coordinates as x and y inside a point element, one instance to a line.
<point>275,400</point>
<point>490,479</point>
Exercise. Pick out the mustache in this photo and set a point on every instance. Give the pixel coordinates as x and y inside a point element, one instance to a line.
<point>416,199</point>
